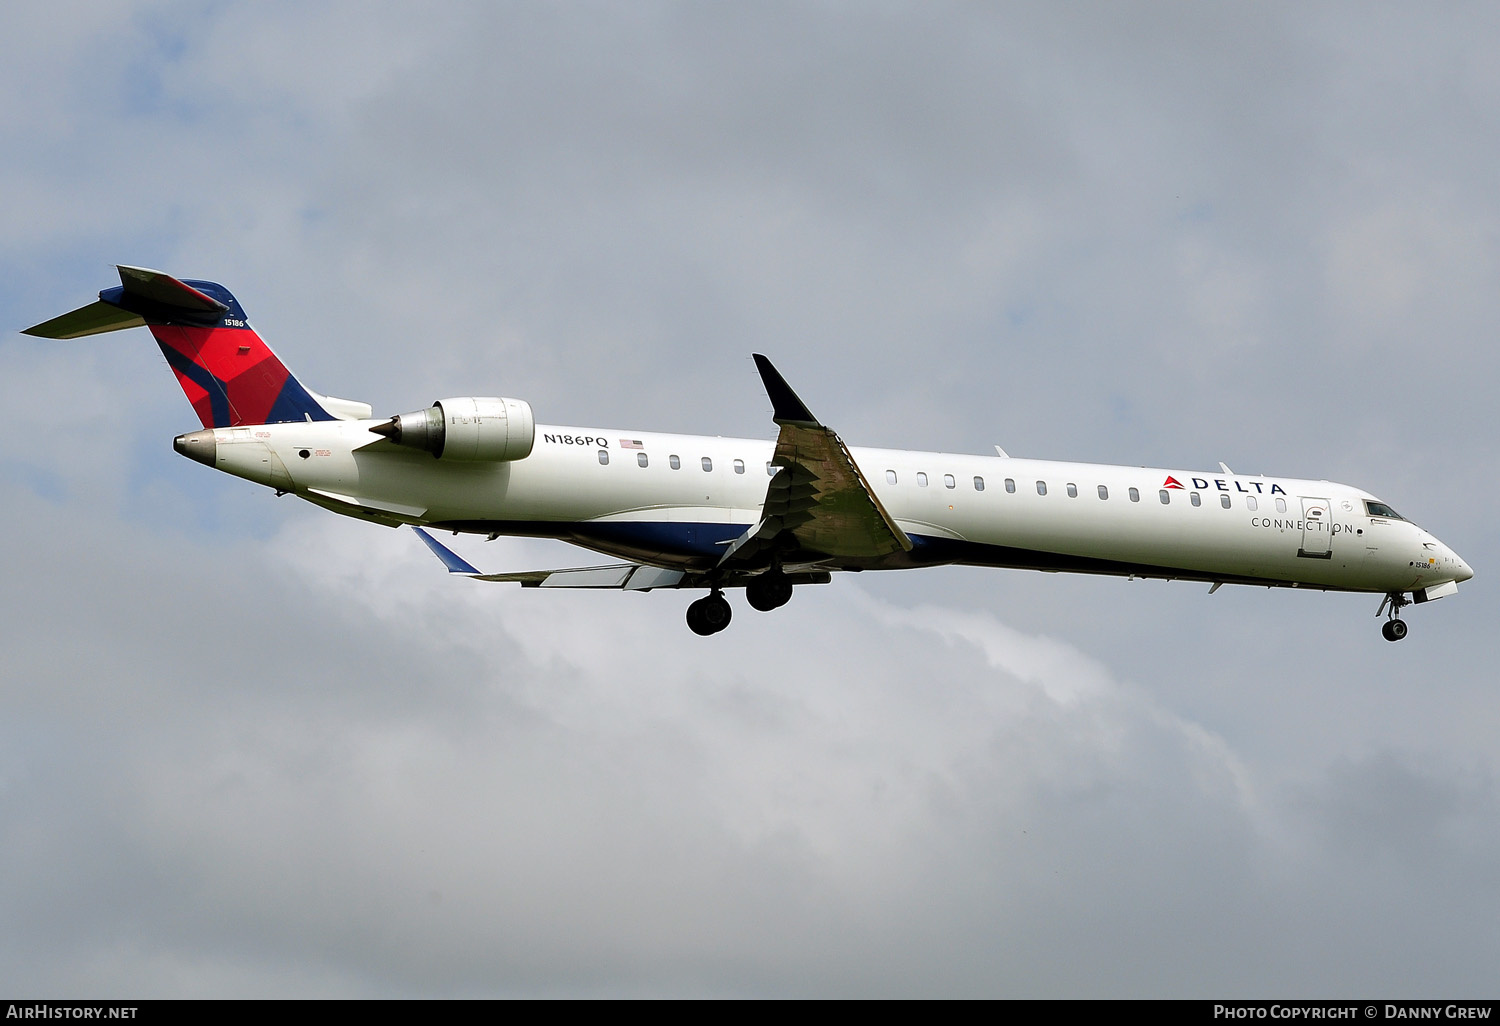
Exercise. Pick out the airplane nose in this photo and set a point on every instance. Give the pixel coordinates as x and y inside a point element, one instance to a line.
<point>1464,572</point>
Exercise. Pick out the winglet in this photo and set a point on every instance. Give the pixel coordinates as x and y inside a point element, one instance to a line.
<point>788,408</point>
<point>455,563</point>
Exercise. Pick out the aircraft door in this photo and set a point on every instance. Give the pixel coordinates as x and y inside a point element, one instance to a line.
<point>1317,529</point>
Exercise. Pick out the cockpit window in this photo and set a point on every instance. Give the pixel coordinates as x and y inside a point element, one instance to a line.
<point>1380,509</point>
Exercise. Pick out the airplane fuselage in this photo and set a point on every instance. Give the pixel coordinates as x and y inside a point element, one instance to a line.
<point>677,500</point>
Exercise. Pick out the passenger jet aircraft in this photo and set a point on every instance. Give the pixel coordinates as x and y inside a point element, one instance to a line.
<point>690,511</point>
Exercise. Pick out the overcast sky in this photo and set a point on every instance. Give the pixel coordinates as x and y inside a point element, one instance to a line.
<point>251,748</point>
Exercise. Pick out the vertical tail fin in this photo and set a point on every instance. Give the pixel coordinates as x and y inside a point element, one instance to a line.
<point>227,371</point>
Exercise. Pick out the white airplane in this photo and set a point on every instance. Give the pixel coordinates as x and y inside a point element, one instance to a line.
<point>698,512</point>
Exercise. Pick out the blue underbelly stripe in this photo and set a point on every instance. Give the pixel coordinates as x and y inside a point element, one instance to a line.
<point>684,539</point>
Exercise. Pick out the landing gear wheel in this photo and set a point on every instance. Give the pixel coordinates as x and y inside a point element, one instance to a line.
<point>1394,628</point>
<point>768,591</point>
<point>709,615</point>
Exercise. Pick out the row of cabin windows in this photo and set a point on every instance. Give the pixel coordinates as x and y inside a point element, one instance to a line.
<point>948,480</point>
<point>1164,494</point>
<point>675,462</point>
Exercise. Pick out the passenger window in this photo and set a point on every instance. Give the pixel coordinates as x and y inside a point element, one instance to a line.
<point>640,458</point>
<point>1166,496</point>
<point>604,457</point>
<point>1072,490</point>
<point>948,481</point>
<point>1135,495</point>
<point>1041,487</point>
<point>890,477</point>
<point>1103,492</point>
<point>739,466</point>
<point>675,462</point>
<point>1010,485</point>
<point>708,464</point>
<point>1196,499</point>
<point>1281,505</point>
<point>1224,501</point>
<point>921,479</point>
<point>1250,503</point>
<point>979,484</point>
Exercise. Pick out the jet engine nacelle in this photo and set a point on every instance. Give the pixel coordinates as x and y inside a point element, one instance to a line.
<point>470,428</point>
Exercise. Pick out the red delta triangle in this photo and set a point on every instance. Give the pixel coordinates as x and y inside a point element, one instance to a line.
<point>1172,482</point>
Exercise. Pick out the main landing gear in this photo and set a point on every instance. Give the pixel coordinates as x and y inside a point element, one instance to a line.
<point>768,591</point>
<point>1394,628</point>
<point>711,614</point>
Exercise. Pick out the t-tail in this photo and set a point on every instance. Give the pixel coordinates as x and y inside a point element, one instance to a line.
<point>227,371</point>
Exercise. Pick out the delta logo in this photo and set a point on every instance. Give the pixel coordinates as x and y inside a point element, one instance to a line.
<point>1219,483</point>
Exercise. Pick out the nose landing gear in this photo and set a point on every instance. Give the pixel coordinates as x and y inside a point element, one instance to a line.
<point>1394,628</point>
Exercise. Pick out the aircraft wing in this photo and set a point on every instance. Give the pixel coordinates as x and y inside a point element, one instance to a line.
<point>819,502</point>
<point>616,576</point>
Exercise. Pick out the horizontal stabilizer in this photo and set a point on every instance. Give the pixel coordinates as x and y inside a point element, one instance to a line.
<point>94,319</point>
<point>144,297</point>
<point>86,320</point>
<point>167,292</point>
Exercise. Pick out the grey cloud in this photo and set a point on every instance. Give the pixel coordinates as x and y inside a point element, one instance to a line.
<point>253,749</point>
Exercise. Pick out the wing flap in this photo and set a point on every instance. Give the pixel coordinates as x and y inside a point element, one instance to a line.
<point>615,577</point>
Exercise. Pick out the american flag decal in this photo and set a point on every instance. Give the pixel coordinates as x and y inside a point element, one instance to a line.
<point>631,443</point>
